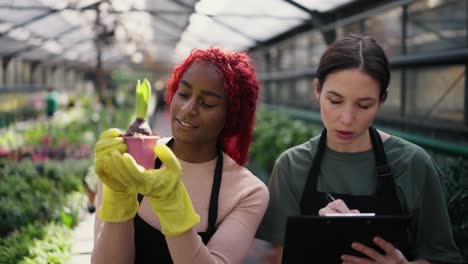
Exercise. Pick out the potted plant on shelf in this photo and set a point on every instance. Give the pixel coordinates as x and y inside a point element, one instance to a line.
<point>139,137</point>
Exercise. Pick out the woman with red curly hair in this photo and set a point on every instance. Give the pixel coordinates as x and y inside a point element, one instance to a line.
<point>212,96</point>
<point>241,92</point>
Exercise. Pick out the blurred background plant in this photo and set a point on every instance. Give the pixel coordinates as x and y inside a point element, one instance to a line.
<point>40,204</point>
<point>70,133</point>
<point>456,194</point>
<point>274,133</point>
<point>44,164</point>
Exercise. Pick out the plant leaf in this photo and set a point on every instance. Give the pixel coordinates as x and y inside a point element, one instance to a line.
<point>143,92</point>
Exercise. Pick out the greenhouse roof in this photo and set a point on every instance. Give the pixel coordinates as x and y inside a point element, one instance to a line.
<point>78,32</point>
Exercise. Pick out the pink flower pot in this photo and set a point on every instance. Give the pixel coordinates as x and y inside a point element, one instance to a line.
<point>142,149</point>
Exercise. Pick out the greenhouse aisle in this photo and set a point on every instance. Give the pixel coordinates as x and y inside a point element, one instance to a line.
<point>83,240</point>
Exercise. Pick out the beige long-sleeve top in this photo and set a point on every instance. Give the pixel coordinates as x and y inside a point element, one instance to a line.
<point>243,199</point>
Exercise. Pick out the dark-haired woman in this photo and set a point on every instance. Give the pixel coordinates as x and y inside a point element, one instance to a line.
<point>366,170</point>
<point>211,214</point>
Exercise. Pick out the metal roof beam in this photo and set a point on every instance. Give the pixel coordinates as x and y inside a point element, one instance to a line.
<point>32,47</point>
<point>50,11</point>
<point>235,30</point>
<point>312,13</point>
<point>252,16</point>
<point>328,35</point>
<point>28,8</point>
<point>133,9</point>
<point>52,57</point>
<point>184,5</point>
<point>301,7</point>
<point>171,23</point>
<point>167,21</point>
<point>192,10</point>
<point>215,19</point>
<point>438,32</point>
<point>161,11</point>
<point>32,20</point>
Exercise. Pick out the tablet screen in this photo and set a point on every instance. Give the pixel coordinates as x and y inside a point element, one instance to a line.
<point>321,239</point>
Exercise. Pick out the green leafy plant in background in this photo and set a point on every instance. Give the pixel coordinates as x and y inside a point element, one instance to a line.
<point>38,192</point>
<point>39,206</point>
<point>16,246</point>
<point>80,129</point>
<point>54,248</point>
<point>37,243</point>
<point>40,202</point>
<point>41,242</point>
<point>274,133</point>
<point>456,193</point>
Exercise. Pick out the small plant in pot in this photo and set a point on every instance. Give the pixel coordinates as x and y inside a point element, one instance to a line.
<point>139,137</point>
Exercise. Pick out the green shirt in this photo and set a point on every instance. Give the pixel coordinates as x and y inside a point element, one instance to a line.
<point>418,186</point>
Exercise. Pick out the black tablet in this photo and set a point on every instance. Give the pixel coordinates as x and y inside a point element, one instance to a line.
<point>323,239</point>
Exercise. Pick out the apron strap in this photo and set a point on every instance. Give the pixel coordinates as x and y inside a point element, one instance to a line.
<point>213,209</point>
<point>384,173</point>
<point>311,183</point>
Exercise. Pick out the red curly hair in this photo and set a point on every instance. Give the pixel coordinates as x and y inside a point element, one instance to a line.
<point>241,87</point>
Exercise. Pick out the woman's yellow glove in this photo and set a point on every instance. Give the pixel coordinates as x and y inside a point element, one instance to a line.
<point>167,194</point>
<point>119,199</point>
<point>175,211</point>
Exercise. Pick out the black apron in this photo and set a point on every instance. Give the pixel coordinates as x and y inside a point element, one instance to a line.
<point>383,202</point>
<point>150,243</point>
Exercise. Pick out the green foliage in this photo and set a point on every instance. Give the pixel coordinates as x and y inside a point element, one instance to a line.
<point>25,113</point>
<point>86,101</point>
<point>16,246</point>
<point>34,134</point>
<point>8,139</point>
<point>274,133</point>
<point>37,192</point>
<point>37,243</point>
<point>53,249</point>
<point>456,193</point>
<point>128,76</point>
<point>81,127</point>
<point>70,213</point>
<point>143,93</point>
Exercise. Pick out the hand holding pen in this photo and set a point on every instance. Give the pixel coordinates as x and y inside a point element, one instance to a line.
<point>329,197</point>
<point>336,206</point>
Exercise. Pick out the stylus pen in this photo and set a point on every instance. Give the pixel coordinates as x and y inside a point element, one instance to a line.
<point>329,197</point>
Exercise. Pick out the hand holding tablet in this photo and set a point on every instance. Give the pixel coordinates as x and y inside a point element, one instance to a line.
<point>330,237</point>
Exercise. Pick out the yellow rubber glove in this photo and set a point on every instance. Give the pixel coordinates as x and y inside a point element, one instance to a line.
<point>167,194</point>
<point>119,199</point>
<point>175,211</point>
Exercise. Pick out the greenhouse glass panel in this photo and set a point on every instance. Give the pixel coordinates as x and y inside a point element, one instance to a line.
<point>385,28</point>
<point>436,25</point>
<point>436,93</point>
